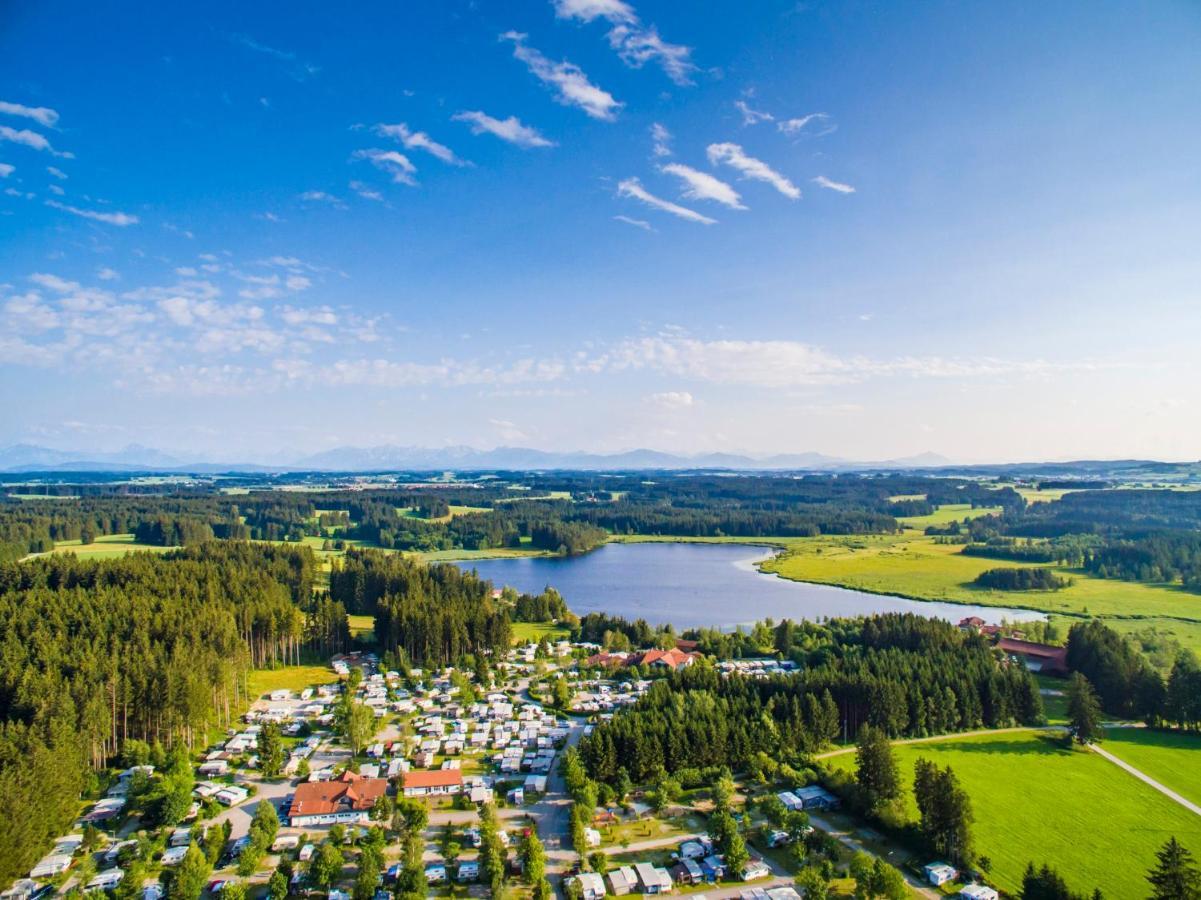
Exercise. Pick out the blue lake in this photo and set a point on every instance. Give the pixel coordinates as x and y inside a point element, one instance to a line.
<point>714,585</point>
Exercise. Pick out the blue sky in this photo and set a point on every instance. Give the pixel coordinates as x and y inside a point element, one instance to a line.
<point>255,230</point>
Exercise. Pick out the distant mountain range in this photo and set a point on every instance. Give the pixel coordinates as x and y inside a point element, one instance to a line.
<point>135,458</point>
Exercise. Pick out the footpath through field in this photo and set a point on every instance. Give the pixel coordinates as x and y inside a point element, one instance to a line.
<point>1147,779</point>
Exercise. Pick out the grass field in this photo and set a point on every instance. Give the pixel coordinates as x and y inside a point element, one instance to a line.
<point>362,625</point>
<point>412,513</point>
<point>913,565</point>
<point>1170,757</point>
<point>947,513</point>
<point>106,546</point>
<point>527,632</point>
<point>292,678</point>
<point>1035,800</point>
<point>1042,495</point>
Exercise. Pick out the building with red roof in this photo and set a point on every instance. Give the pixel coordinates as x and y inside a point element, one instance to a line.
<point>347,798</point>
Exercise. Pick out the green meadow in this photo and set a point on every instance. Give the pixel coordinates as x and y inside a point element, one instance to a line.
<point>291,678</point>
<point>1173,758</point>
<point>106,546</point>
<point>914,565</point>
<point>1036,800</point>
<point>529,632</point>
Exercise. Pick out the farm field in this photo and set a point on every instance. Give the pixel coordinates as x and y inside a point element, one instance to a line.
<point>1036,800</point>
<point>1172,758</point>
<point>292,678</point>
<point>106,546</point>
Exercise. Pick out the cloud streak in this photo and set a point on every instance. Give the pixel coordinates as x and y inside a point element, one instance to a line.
<point>419,140</point>
<point>840,187</point>
<point>733,156</point>
<point>109,218</point>
<point>820,121</point>
<point>393,163</point>
<point>703,186</point>
<point>44,116</point>
<point>632,188</point>
<point>510,130</point>
<point>31,139</point>
<point>636,44</point>
<point>570,84</point>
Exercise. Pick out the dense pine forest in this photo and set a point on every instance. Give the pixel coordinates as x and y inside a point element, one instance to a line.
<point>435,614</point>
<point>144,648</point>
<point>904,674</point>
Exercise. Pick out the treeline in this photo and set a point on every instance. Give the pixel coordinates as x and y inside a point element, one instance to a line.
<point>1069,550</point>
<point>1008,579</point>
<point>1156,557</point>
<point>436,615</point>
<point>1127,685</point>
<point>566,538</point>
<point>903,674</point>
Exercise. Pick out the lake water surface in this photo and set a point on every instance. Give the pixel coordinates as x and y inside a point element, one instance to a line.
<point>715,585</point>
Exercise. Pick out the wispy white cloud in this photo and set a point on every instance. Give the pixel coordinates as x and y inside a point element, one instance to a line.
<point>394,163</point>
<point>703,186</point>
<point>661,140</point>
<point>672,399</point>
<point>419,140</point>
<point>733,156</point>
<point>785,363</point>
<point>636,44</point>
<point>571,85</point>
<point>57,172</point>
<point>30,139</point>
<point>751,116</point>
<point>295,67</point>
<point>366,191</point>
<point>6,170</point>
<point>823,181</point>
<point>637,223</point>
<point>110,218</point>
<point>590,10</point>
<point>44,116</point>
<point>107,274</point>
<point>322,197</point>
<point>510,129</point>
<point>632,187</point>
<point>820,122</point>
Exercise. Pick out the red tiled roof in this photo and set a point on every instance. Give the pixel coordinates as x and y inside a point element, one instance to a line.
<point>434,778</point>
<point>348,792</point>
<point>673,657</point>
